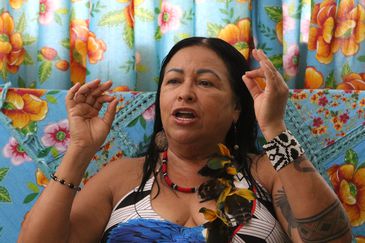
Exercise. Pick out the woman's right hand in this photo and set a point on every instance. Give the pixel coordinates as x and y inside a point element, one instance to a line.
<point>83,103</point>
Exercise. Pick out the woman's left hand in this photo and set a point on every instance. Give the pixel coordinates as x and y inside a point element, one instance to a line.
<point>269,102</point>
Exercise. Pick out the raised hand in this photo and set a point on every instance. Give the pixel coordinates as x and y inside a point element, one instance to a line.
<point>270,102</point>
<point>83,103</point>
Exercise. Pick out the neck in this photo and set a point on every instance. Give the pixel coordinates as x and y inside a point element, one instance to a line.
<point>184,164</point>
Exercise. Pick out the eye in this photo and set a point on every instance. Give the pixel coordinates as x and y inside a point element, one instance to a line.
<point>205,83</point>
<point>172,81</point>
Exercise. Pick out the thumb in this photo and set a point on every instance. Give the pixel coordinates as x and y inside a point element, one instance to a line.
<point>252,86</point>
<point>110,112</point>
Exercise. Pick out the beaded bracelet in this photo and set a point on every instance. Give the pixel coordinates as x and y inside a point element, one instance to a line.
<point>63,182</point>
<point>283,149</point>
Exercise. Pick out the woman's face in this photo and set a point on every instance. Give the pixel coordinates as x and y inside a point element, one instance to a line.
<point>196,99</point>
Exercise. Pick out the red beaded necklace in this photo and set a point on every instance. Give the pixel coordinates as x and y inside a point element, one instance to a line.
<point>168,180</point>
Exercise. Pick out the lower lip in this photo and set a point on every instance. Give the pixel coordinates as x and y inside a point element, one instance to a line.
<point>184,121</point>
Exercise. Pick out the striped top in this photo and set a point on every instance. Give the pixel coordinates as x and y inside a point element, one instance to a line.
<point>134,220</point>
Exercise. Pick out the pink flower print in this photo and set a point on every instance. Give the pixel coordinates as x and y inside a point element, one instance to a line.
<point>344,118</point>
<point>149,114</point>
<point>169,17</point>
<point>290,61</point>
<point>15,151</point>
<point>288,21</point>
<point>317,122</point>
<point>323,101</point>
<point>57,135</point>
<point>46,10</point>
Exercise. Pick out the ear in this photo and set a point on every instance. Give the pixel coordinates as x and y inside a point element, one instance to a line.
<point>236,112</point>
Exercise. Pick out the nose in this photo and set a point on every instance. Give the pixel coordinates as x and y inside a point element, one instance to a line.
<point>186,93</point>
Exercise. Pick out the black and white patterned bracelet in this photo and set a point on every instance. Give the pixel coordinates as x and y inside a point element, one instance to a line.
<point>63,182</point>
<point>283,149</point>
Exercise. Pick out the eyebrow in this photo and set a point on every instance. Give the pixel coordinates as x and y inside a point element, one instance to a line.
<point>199,71</point>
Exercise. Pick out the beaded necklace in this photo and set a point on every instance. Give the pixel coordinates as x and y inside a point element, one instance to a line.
<point>168,180</point>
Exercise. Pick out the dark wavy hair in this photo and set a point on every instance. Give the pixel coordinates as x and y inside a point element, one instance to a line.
<point>246,125</point>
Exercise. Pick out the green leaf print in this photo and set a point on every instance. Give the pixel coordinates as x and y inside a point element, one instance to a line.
<point>128,36</point>
<point>30,198</point>
<point>133,123</point>
<point>346,69</point>
<point>187,16</point>
<point>28,39</point>
<point>158,34</point>
<point>53,92</point>
<point>351,157</point>
<point>28,59</point>
<point>66,43</point>
<point>330,80</point>
<point>213,29</point>
<point>3,172</point>
<point>113,18</point>
<point>58,19</point>
<point>54,152</point>
<point>51,99</point>
<point>21,82</point>
<point>277,60</point>
<point>33,187</point>
<point>4,195</point>
<point>361,58</point>
<point>142,121</point>
<point>62,11</point>
<point>267,31</point>
<point>45,70</point>
<point>144,14</point>
<point>21,24</point>
<point>274,13</point>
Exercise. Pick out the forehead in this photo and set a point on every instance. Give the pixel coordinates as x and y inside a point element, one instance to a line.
<point>197,57</point>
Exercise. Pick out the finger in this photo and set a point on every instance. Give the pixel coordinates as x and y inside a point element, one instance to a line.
<point>254,54</point>
<point>110,112</point>
<point>262,57</point>
<point>85,90</point>
<point>71,94</point>
<point>252,86</point>
<point>91,98</point>
<point>255,73</point>
<point>270,77</point>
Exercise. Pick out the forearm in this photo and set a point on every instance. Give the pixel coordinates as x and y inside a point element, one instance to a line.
<point>316,211</point>
<point>49,219</point>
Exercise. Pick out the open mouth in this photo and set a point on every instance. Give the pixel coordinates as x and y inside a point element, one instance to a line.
<point>184,115</point>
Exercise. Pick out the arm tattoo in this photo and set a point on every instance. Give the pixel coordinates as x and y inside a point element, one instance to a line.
<point>328,225</point>
<point>281,201</point>
<point>300,168</point>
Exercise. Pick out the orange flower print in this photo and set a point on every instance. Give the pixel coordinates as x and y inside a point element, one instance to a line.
<point>360,239</point>
<point>350,28</point>
<point>83,45</point>
<point>16,4</point>
<point>41,179</point>
<point>352,81</point>
<point>313,78</point>
<point>12,52</point>
<point>238,35</point>
<point>349,184</point>
<point>24,106</point>
<point>129,14</point>
<point>322,29</point>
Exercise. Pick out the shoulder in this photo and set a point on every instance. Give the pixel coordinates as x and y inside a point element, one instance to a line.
<point>263,171</point>
<point>121,176</point>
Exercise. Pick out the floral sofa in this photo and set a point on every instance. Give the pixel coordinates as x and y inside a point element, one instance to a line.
<point>34,136</point>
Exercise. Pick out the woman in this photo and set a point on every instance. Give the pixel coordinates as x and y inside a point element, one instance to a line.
<point>237,195</point>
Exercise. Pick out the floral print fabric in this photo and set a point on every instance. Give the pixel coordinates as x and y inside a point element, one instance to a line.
<point>53,44</point>
<point>35,134</point>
